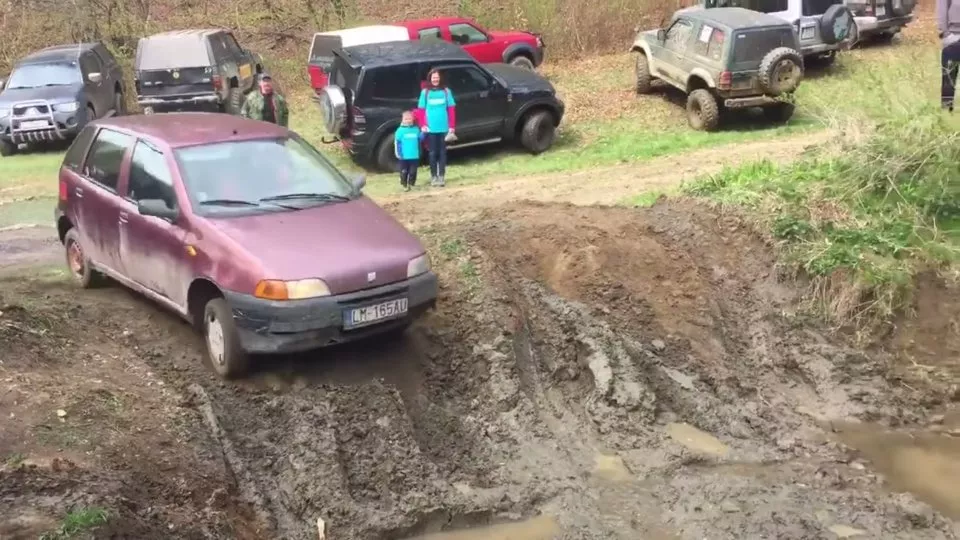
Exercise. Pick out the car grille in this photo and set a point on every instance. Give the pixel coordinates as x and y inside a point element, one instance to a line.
<point>41,109</point>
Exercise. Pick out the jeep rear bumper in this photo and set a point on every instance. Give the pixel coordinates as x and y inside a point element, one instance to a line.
<point>873,25</point>
<point>752,101</point>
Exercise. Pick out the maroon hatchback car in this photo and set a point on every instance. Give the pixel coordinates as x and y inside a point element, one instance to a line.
<point>242,228</point>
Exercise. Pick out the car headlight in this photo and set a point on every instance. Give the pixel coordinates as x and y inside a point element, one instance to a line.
<point>418,265</point>
<point>272,289</point>
<point>67,107</point>
<point>4,113</point>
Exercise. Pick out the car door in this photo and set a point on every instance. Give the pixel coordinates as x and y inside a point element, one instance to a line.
<point>245,67</point>
<point>479,115</point>
<point>475,42</point>
<point>95,91</point>
<point>152,250</point>
<point>98,214</point>
<point>674,50</point>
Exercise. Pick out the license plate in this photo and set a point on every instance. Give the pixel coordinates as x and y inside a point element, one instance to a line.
<point>807,33</point>
<point>35,124</point>
<point>367,315</point>
<point>245,71</point>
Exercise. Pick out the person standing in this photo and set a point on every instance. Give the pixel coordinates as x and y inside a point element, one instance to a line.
<point>436,112</point>
<point>948,24</point>
<point>407,140</point>
<point>266,104</point>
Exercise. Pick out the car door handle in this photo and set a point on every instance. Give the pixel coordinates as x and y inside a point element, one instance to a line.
<point>123,217</point>
<point>78,192</point>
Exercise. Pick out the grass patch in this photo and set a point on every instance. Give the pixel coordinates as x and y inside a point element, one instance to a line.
<point>36,211</point>
<point>14,460</point>
<point>77,522</point>
<point>643,200</point>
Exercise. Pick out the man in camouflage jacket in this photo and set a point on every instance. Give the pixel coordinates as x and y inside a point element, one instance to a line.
<point>266,104</point>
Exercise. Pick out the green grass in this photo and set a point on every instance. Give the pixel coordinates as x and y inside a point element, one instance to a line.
<point>38,211</point>
<point>14,460</point>
<point>77,522</point>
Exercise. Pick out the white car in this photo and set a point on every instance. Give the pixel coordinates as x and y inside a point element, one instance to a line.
<point>879,19</point>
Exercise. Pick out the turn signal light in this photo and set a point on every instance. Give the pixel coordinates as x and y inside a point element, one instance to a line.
<point>272,289</point>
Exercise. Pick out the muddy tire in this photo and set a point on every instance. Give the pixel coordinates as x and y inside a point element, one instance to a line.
<point>7,148</point>
<point>234,101</point>
<point>703,112</point>
<point>644,78</point>
<point>91,114</point>
<point>220,337</point>
<point>835,24</point>
<point>538,132</point>
<point>385,158</point>
<point>781,113</point>
<point>78,263</point>
<point>781,71</point>
<point>333,108</point>
<point>119,104</point>
<point>523,62</point>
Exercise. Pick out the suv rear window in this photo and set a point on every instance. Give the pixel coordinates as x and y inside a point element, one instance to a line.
<point>817,7</point>
<point>171,52</point>
<point>342,75</point>
<point>750,46</point>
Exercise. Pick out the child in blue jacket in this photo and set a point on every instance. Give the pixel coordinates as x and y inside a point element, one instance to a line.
<point>408,139</point>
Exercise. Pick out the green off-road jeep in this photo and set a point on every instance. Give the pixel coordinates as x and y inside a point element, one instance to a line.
<point>723,58</point>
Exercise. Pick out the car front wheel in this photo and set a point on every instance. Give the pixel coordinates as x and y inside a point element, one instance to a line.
<point>222,340</point>
<point>644,79</point>
<point>521,61</point>
<point>703,113</point>
<point>7,148</point>
<point>538,132</point>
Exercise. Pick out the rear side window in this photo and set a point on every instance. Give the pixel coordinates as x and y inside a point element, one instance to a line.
<point>750,46</point>
<point>465,34</point>
<point>219,47</point>
<point>342,75</point>
<point>150,176</point>
<point>710,42</point>
<point>394,82</point>
<point>78,149</point>
<point>171,52</point>
<point>322,49</point>
<point>430,33</point>
<point>767,6</point>
<point>812,8</point>
<point>106,156</point>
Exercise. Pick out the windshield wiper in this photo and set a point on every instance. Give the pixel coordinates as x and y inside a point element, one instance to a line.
<point>228,202</point>
<point>319,196</point>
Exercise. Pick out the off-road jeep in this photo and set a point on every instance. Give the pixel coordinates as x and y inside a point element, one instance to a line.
<point>52,93</point>
<point>371,85</point>
<point>823,26</point>
<point>723,58</point>
<point>194,70</point>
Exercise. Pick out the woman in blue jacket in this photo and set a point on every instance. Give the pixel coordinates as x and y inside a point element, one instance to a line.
<point>436,114</point>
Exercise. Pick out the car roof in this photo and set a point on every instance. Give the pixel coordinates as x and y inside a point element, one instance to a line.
<point>736,18</point>
<point>403,52</point>
<point>360,35</point>
<point>420,24</point>
<point>183,129</point>
<point>58,53</point>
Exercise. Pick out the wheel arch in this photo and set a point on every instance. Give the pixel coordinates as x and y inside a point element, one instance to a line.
<point>201,291</point>
<point>63,226</point>
<point>700,79</point>
<point>518,49</point>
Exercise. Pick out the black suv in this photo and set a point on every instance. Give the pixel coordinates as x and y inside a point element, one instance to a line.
<point>194,70</point>
<point>52,93</point>
<point>371,85</point>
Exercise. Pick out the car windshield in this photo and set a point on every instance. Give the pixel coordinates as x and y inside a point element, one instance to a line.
<point>34,75</point>
<point>172,52</point>
<point>263,175</point>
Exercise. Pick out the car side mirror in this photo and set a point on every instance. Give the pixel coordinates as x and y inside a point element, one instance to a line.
<point>359,182</point>
<point>156,208</point>
<point>661,35</point>
<point>95,78</point>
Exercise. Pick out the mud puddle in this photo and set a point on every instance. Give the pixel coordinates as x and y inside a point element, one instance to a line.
<point>538,528</point>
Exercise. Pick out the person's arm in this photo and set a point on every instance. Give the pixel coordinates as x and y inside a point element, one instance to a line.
<point>283,114</point>
<point>943,19</point>
<point>451,111</point>
<point>396,143</point>
<point>420,113</point>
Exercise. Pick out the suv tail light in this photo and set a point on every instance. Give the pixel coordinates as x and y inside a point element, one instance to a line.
<point>726,81</point>
<point>63,190</point>
<point>217,83</point>
<point>318,79</point>
<point>359,119</point>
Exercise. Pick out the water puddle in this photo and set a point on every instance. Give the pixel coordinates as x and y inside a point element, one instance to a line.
<point>538,528</point>
<point>924,463</point>
<point>611,468</point>
<point>696,440</point>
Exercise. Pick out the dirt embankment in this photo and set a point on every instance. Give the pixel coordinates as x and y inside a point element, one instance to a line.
<point>620,373</point>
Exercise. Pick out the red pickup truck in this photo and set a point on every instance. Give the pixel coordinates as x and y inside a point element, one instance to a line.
<point>522,49</point>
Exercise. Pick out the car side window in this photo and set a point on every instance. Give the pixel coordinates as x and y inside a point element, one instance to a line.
<point>465,80</point>
<point>395,83</point>
<point>465,34</point>
<point>679,35</point>
<point>150,176</point>
<point>88,65</point>
<point>430,33</point>
<point>709,42</point>
<point>73,160</point>
<point>232,46</point>
<point>105,157</point>
<point>218,48</point>
<point>765,6</point>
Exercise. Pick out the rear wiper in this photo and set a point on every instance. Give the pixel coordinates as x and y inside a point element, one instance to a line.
<point>320,196</point>
<point>228,202</point>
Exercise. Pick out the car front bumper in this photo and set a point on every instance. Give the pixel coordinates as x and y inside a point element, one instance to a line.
<point>271,327</point>
<point>47,126</point>
<point>873,25</point>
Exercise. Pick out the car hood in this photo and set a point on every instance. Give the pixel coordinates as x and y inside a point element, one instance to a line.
<point>520,79</point>
<point>344,244</point>
<point>54,94</point>
<point>512,35</point>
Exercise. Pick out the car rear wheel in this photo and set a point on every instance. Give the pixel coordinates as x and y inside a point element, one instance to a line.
<point>7,148</point>
<point>781,113</point>
<point>333,107</point>
<point>522,61</point>
<point>781,71</point>
<point>703,113</point>
<point>835,24</point>
<point>644,79</point>
<point>77,261</point>
<point>91,114</point>
<point>386,159</point>
<point>224,350</point>
<point>119,104</point>
<point>538,132</point>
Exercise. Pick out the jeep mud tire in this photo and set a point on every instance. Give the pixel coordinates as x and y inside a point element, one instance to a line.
<point>522,61</point>
<point>538,132</point>
<point>7,148</point>
<point>644,78</point>
<point>781,71</point>
<point>333,108</point>
<point>835,24</point>
<point>703,112</point>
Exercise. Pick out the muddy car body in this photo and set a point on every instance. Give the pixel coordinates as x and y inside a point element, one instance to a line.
<point>240,227</point>
<point>723,58</point>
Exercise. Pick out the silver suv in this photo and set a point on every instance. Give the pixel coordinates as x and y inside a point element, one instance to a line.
<point>822,26</point>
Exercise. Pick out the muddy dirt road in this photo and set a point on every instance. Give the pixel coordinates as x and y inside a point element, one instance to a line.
<point>590,373</point>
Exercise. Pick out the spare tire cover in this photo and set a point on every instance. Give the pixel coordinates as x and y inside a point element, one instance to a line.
<point>781,71</point>
<point>835,24</point>
<point>333,107</point>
